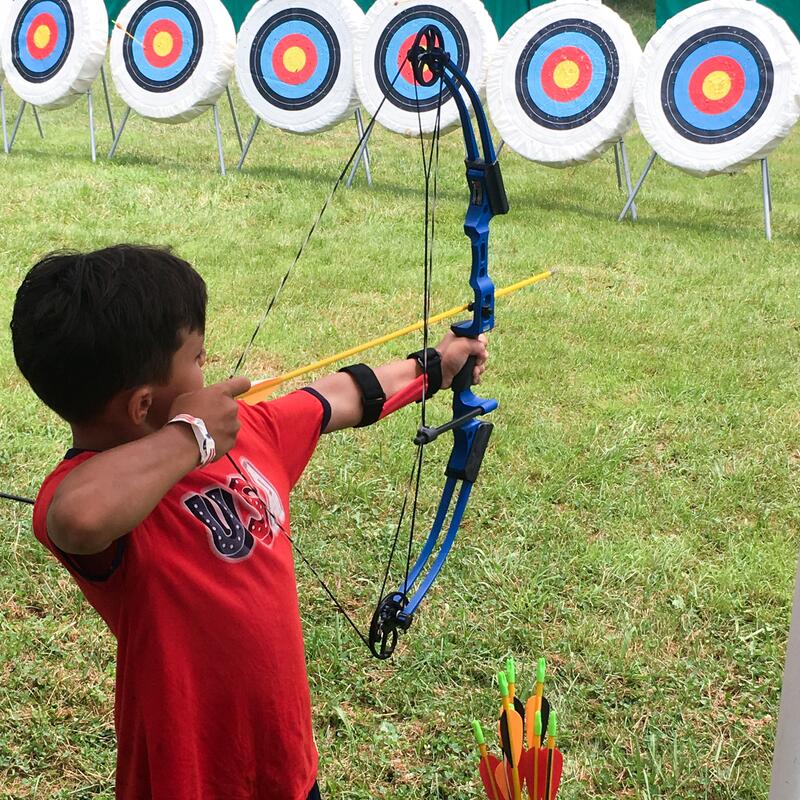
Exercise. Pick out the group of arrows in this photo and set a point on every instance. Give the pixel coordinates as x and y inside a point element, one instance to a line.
<point>530,762</point>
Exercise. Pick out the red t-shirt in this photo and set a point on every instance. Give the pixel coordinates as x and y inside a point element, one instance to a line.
<point>212,698</point>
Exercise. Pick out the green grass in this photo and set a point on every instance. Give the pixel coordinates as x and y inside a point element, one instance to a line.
<point>636,520</point>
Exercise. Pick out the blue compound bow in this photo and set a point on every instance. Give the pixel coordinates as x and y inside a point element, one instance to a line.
<point>395,612</point>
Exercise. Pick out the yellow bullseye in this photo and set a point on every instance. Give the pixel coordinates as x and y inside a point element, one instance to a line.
<point>163,43</point>
<point>294,59</point>
<point>566,74</point>
<point>717,85</point>
<point>41,36</point>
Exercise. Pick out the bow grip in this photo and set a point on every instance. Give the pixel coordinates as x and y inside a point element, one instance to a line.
<point>463,380</point>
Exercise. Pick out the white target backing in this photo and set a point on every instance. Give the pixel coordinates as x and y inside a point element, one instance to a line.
<point>52,50</point>
<point>560,86</point>
<point>294,62</point>
<point>718,86</point>
<point>172,59</point>
<point>382,70</point>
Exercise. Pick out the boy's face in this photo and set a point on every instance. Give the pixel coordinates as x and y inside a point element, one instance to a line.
<point>186,376</point>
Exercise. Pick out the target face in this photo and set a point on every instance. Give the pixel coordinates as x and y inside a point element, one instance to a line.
<point>52,50</point>
<point>717,85</point>
<point>294,62</point>
<point>295,59</point>
<point>560,86</point>
<point>165,44</point>
<point>567,74</point>
<point>171,59</point>
<point>382,68</point>
<point>392,68</point>
<point>41,38</point>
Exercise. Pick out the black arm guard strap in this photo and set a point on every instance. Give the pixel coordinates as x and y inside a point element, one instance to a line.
<point>372,395</point>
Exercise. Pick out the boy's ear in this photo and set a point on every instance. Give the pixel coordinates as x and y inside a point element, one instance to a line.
<point>140,402</point>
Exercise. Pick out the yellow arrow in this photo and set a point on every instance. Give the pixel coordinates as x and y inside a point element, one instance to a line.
<point>262,389</point>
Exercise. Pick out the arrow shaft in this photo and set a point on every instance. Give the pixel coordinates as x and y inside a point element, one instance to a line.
<point>262,389</point>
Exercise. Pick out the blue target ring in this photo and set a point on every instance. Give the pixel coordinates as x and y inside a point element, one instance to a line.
<point>164,46</point>
<point>567,74</point>
<point>295,59</point>
<point>392,70</point>
<point>41,38</point>
<point>744,77</point>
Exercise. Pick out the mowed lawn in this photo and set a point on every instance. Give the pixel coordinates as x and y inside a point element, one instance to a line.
<point>636,521</point>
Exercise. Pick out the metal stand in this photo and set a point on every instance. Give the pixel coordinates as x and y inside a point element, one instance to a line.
<point>108,101</point>
<point>766,190</point>
<point>3,118</point>
<point>621,158</point>
<point>639,184</point>
<point>92,138</point>
<point>217,129</point>
<point>786,758</point>
<point>215,112</point>
<point>363,152</point>
<point>235,118</point>
<point>246,148</point>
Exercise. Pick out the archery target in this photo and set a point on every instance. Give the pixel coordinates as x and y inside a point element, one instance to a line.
<point>172,59</point>
<point>382,70</point>
<point>719,86</point>
<point>294,62</point>
<point>560,87</point>
<point>52,50</point>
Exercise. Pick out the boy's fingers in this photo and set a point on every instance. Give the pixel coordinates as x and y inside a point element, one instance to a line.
<point>233,387</point>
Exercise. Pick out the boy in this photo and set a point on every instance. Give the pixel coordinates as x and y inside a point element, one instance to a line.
<point>185,554</point>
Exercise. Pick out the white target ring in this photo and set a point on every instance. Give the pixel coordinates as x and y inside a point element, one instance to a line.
<point>172,59</point>
<point>52,50</point>
<point>294,62</point>
<point>719,86</point>
<point>560,87</point>
<point>469,36</point>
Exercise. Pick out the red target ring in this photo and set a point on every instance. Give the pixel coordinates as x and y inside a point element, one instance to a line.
<point>295,59</point>
<point>403,64</point>
<point>566,74</point>
<point>717,85</point>
<point>163,43</point>
<point>42,36</point>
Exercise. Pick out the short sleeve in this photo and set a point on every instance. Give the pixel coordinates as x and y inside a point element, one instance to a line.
<point>293,425</point>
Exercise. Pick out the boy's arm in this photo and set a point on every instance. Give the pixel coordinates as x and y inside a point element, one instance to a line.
<point>111,493</point>
<point>344,396</point>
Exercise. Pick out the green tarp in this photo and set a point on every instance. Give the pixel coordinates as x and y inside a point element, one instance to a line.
<point>788,9</point>
<point>504,12</point>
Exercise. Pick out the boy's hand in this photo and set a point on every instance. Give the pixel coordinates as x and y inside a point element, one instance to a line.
<point>455,350</point>
<point>216,406</point>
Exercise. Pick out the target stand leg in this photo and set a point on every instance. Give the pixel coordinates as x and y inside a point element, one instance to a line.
<point>15,129</point>
<point>766,190</point>
<point>637,188</point>
<point>3,118</point>
<point>218,129</point>
<point>363,152</point>
<point>500,148</point>
<point>250,138</point>
<point>38,121</point>
<point>121,128</point>
<point>108,101</point>
<point>92,138</point>
<point>617,166</point>
<point>626,168</point>
<point>235,118</point>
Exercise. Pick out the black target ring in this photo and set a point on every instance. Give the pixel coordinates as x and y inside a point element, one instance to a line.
<point>388,53</point>
<point>574,33</point>
<point>757,71</point>
<point>151,77</point>
<point>327,47</point>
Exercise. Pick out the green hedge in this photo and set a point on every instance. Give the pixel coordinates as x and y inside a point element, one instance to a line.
<point>788,9</point>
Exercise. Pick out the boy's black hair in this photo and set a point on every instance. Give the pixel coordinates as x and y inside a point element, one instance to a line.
<point>88,325</point>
